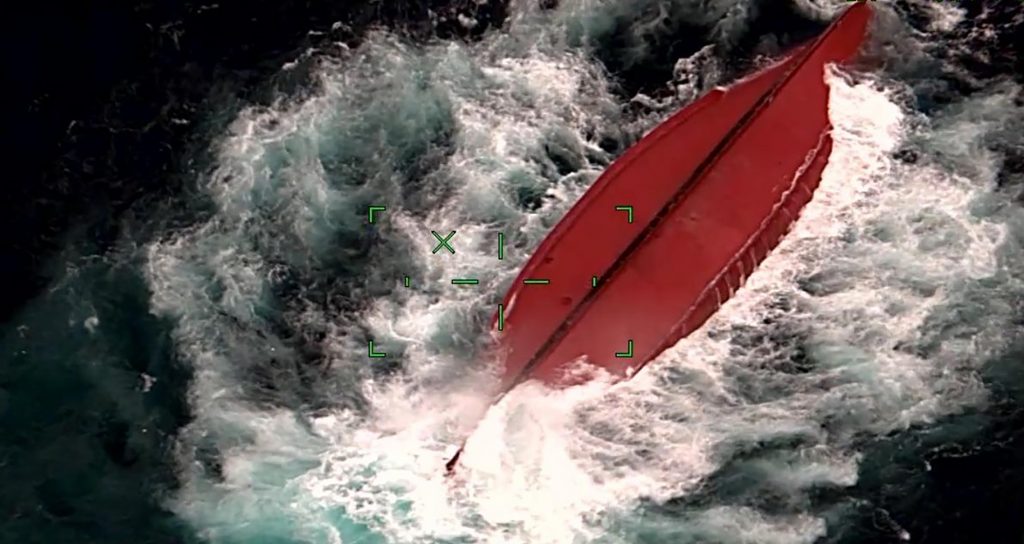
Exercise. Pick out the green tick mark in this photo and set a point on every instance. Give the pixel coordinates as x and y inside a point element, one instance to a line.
<point>501,317</point>
<point>406,281</point>
<point>467,281</point>
<point>374,354</point>
<point>501,245</point>
<point>536,282</point>
<point>628,210</point>
<point>444,241</point>
<point>626,354</point>
<point>374,209</point>
<point>593,281</point>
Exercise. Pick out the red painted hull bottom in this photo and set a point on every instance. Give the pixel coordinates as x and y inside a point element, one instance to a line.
<point>711,191</point>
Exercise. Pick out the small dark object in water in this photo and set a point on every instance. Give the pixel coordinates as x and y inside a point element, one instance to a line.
<point>908,156</point>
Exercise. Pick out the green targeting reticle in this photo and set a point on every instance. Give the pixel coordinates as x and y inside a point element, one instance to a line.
<point>445,243</point>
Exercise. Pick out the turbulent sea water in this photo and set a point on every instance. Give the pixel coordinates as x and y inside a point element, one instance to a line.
<point>195,369</point>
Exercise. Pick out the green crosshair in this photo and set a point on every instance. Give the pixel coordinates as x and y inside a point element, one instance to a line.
<point>444,241</point>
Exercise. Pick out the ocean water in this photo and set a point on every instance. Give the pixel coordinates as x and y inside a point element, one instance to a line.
<point>205,378</point>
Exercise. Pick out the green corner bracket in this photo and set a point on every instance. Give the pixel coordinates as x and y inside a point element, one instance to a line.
<point>376,354</point>
<point>372,210</point>
<point>628,210</point>
<point>628,354</point>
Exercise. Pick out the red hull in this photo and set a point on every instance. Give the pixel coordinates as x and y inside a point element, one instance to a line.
<point>712,189</point>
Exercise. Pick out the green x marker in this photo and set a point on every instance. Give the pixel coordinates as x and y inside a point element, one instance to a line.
<point>444,241</point>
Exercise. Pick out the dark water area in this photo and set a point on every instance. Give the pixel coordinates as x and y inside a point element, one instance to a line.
<point>961,479</point>
<point>110,98</point>
<point>113,109</point>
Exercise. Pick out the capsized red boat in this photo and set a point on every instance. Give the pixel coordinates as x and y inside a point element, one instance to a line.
<point>673,228</point>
